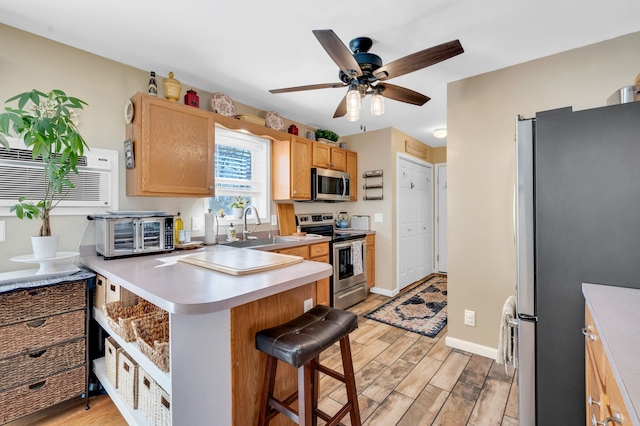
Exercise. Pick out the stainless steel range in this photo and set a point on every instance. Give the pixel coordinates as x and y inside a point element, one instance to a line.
<point>348,282</point>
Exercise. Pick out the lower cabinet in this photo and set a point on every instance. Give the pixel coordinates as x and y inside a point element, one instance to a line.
<point>43,351</point>
<point>318,253</point>
<point>371,260</point>
<point>604,402</point>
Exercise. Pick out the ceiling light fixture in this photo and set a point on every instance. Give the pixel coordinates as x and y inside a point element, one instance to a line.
<point>353,100</point>
<point>440,133</point>
<point>353,115</point>
<point>377,102</point>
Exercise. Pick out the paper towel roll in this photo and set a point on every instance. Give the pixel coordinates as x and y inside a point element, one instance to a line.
<point>209,228</point>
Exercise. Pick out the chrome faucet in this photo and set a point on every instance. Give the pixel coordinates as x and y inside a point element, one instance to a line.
<point>245,233</point>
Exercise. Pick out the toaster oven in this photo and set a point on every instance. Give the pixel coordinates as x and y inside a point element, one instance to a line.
<point>129,235</point>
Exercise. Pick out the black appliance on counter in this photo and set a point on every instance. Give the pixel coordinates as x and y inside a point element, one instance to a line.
<point>347,256</point>
<point>578,220</point>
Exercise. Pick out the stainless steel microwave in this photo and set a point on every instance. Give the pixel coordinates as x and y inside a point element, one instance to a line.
<point>329,185</point>
<point>128,235</point>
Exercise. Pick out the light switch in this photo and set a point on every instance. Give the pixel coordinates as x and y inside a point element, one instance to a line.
<point>274,219</point>
<point>2,237</point>
<point>377,217</point>
<point>197,223</point>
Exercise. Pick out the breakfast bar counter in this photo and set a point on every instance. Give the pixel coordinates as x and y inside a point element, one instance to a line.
<point>215,370</point>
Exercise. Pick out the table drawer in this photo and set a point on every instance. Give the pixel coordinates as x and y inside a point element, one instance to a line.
<point>32,397</point>
<point>37,334</point>
<point>320,249</point>
<point>302,251</point>
<point>36,365</point>
<point>27,304</point>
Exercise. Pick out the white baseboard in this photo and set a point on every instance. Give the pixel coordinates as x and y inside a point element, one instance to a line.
<point>383,292</point>
<point>474,348</point>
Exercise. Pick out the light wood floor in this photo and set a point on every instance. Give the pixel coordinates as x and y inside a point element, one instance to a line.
<point>403,379</point>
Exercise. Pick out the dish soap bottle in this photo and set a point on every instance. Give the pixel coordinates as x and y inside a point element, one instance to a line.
<point>179,226</point>
<point>231,233</point>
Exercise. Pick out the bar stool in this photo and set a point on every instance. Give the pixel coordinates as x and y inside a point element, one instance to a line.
<point>299,343</point>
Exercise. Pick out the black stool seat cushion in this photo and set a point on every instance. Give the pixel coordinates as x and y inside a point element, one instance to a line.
<point>303,338</point>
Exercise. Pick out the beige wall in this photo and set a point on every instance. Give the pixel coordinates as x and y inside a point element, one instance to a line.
<point>30,62</point>
<point>481,165</point>
<point>378,150</point>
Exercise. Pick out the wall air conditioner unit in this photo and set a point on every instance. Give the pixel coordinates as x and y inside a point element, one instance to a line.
<point>96,184</point>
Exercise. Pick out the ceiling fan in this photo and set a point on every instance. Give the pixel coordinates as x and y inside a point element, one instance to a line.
<point>364,73</point>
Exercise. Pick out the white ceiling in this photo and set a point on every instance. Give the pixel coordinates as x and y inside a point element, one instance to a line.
<point>245,48</point>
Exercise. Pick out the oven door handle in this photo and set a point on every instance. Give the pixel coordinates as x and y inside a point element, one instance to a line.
<point>347,244</point>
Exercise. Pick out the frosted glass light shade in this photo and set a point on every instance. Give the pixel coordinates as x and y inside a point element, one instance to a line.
<point>353,115</point>
<point>353,99</point>
<point>377,104</point>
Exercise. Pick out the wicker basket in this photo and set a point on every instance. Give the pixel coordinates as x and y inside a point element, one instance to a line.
<point>152,334</point>
<point>41,363</point>
<point>31,397</point>
<point>113,292</point>
<point>111,352</point>
<point>29,336</point>
<point>128,379</point>
<point>100,292</point>
<point>146,395</point>
<point>27,304</point>
<point>120,316</point>
<point>163,408</point>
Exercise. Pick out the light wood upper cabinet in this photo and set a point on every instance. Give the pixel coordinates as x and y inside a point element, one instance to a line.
<point>173,149</point>
<point>352,169</point>
<point>329,157</point>
<point>291,169</point>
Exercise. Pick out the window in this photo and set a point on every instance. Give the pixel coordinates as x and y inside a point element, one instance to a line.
<point>241,170</point>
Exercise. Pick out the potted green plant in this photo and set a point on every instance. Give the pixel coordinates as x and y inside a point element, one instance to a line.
<point>326,134</point>
<point>47,123</point>
<point>238,205</point>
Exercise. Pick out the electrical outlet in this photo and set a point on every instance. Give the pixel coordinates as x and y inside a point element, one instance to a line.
<point>377,217</point>
<point>470,318</point>
<point>2,236</point>
<point>308,304</point>
<point>274,219</point>
<point>197,223</point>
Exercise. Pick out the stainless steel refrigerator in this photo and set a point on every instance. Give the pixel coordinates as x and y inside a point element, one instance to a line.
<point>577,220</point>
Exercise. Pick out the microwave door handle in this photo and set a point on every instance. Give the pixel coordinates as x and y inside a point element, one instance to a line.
<point>344,186</point>
<point>139,235</point>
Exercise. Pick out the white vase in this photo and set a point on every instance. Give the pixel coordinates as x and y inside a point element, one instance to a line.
<point>237,212</point>
<point>45,247</point>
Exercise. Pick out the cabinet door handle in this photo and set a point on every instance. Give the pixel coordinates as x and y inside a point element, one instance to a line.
<point>36,323</point>
<point>617,418</point>
<point>587,333</point>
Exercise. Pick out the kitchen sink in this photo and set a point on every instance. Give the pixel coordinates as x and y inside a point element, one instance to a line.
<point>260,242</point>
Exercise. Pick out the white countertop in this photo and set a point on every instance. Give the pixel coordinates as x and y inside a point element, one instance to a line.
<point>616,316</point>
<point>187,289</point>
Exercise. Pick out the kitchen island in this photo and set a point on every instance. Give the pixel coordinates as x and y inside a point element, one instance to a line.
<point>215,371</point>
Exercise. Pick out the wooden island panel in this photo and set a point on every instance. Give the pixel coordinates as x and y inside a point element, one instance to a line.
<point>248,363</point>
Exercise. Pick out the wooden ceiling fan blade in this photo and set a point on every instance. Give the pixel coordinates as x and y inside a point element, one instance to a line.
<point>419,60</point>
<point>342,108</point>
<point>340,54</point>
<point>402,94</point>
<point>308,87</point>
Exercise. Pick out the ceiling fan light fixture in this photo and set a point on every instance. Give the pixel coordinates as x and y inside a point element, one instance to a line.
<point>353,115</point>
<point>440,133</point>
<point>377,103</point>
<point>353,99</point>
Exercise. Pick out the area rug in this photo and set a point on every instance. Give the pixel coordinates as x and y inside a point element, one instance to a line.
<point>423,309</point>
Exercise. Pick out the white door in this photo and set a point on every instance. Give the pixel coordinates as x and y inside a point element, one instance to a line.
<point>414,213</point>
<point>442,217</point>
